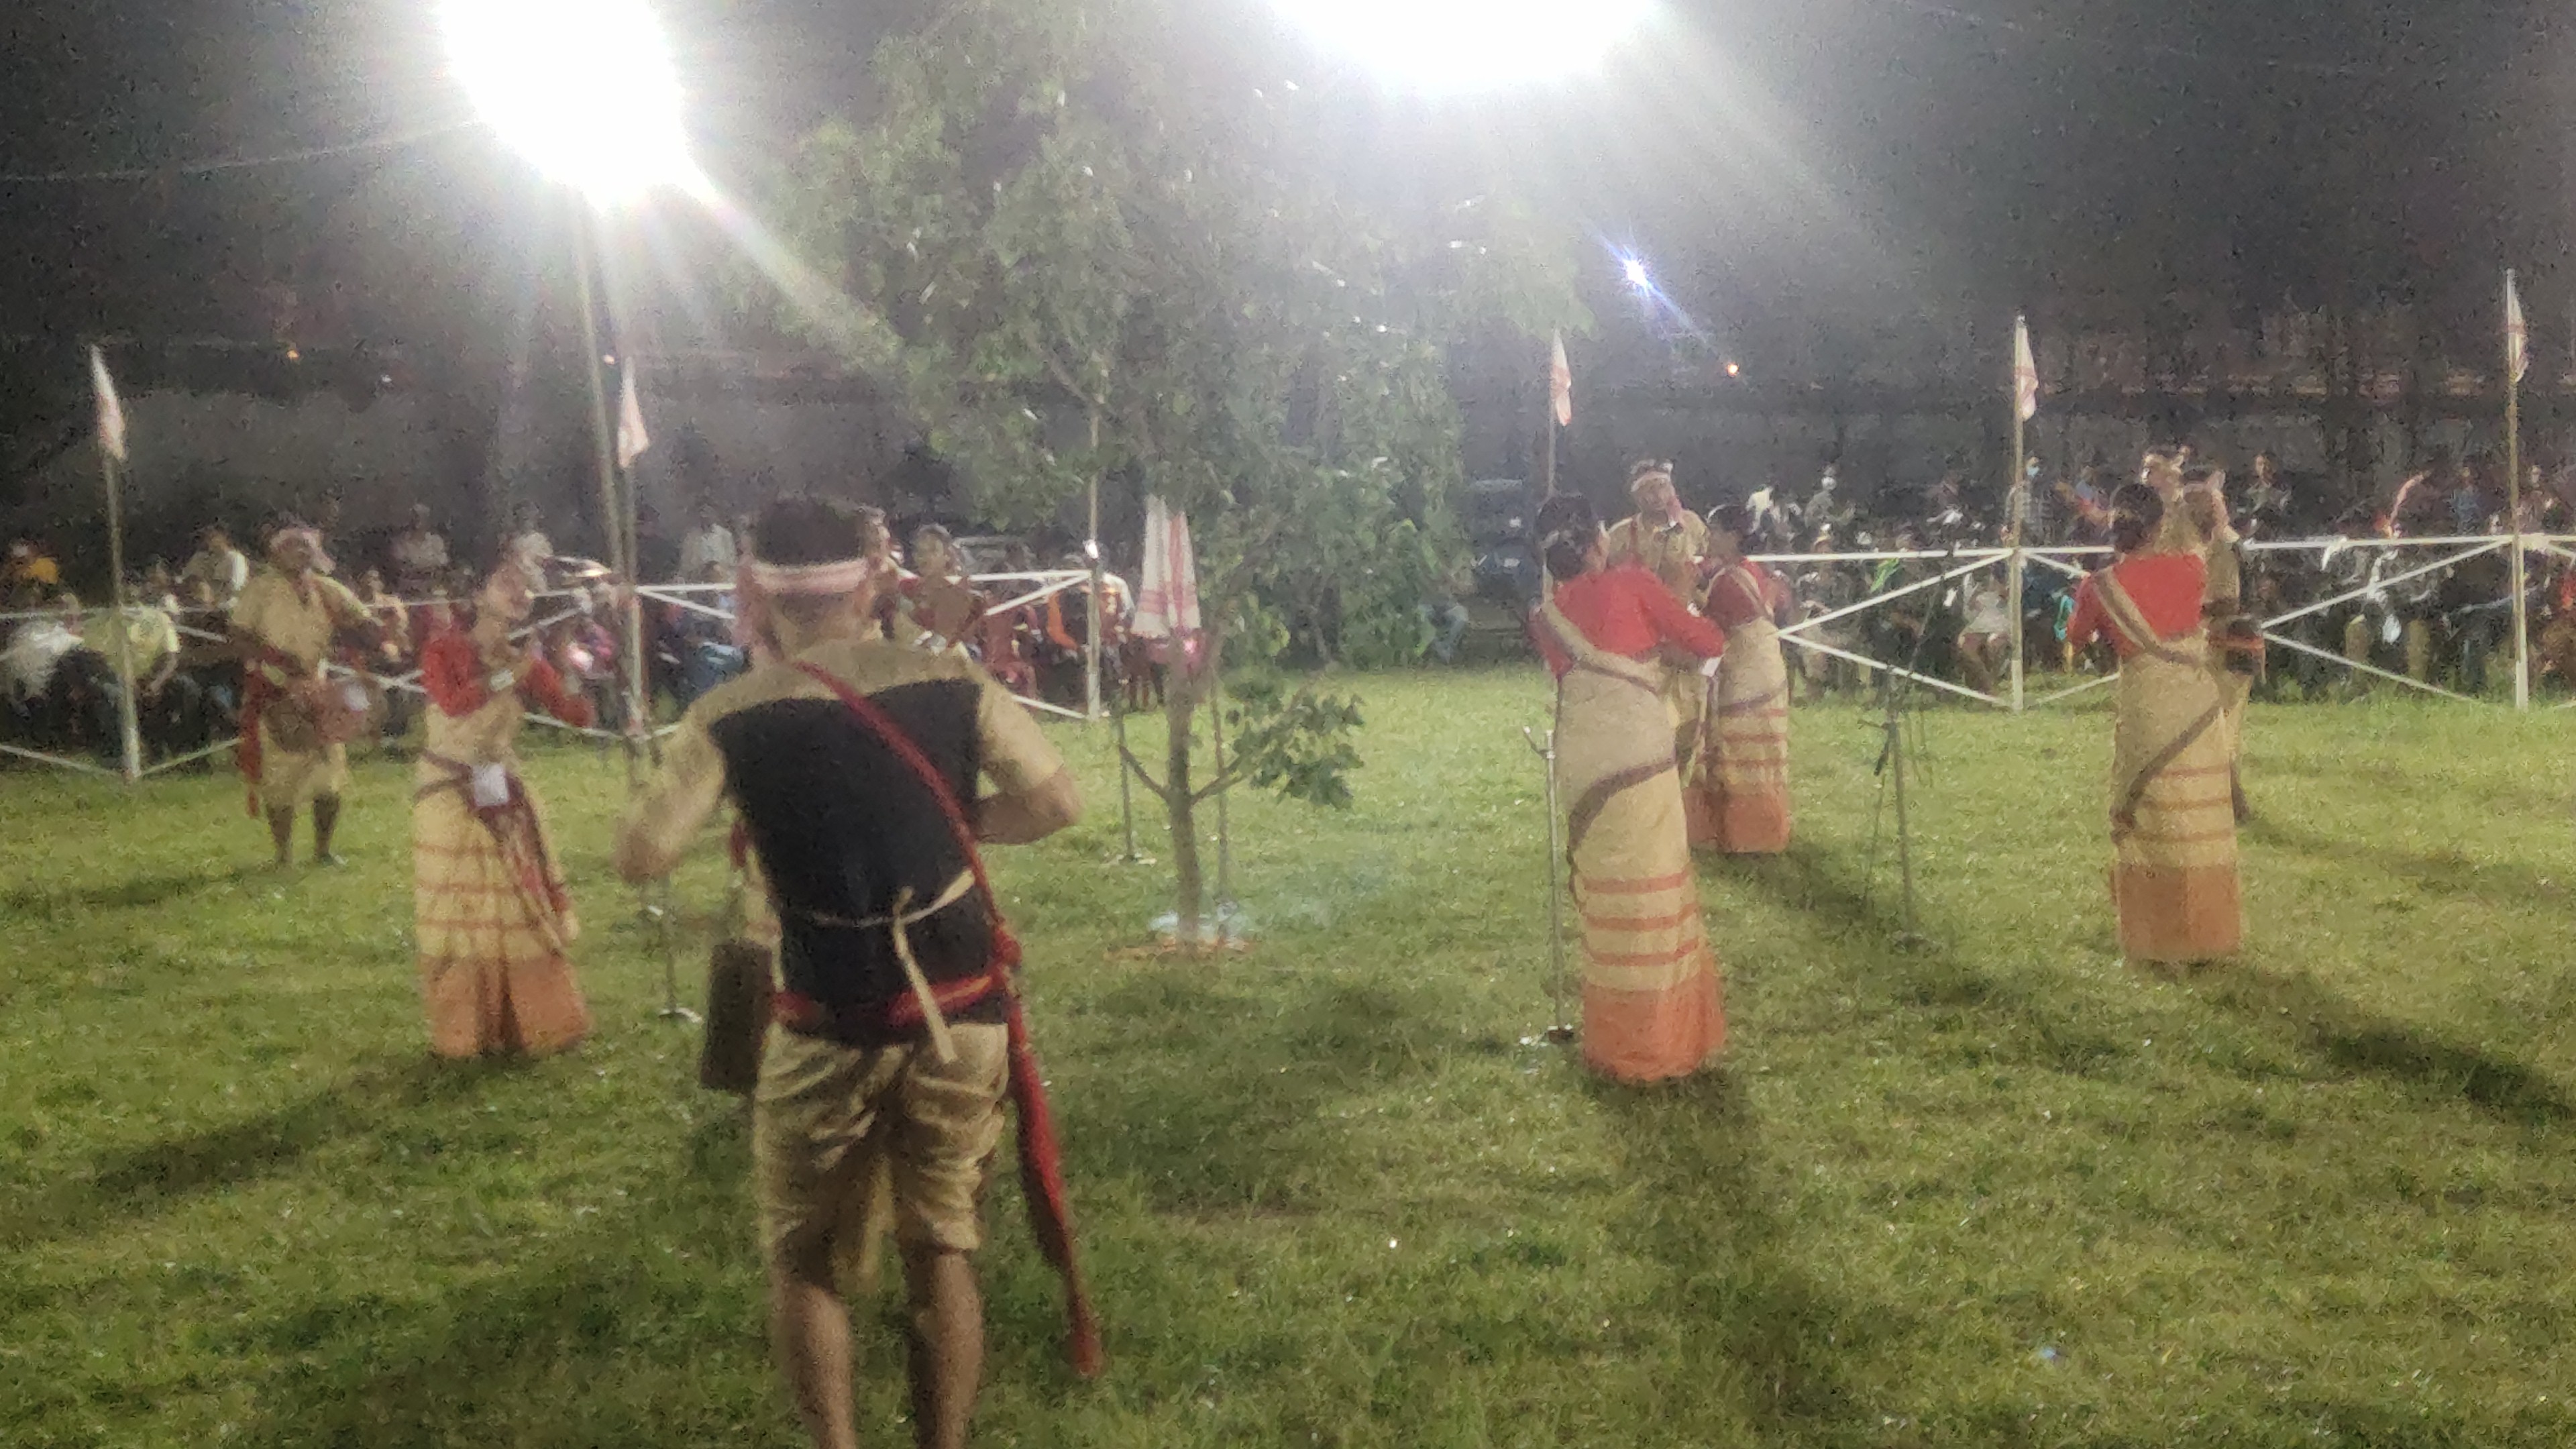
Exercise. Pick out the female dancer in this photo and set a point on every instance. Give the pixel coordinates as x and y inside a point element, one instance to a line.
<point>1651,1007</point>
<point>1739,800</point>
<point>2173,825</point>
<point>492,915</point>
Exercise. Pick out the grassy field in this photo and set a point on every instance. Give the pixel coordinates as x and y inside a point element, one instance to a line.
<point>2003,1190</point>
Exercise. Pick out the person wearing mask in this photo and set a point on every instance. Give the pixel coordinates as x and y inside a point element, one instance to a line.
<point>214,575</point>
<point>1652,1008</point>
<point>1826,507</point>
<point>1670,543</point>
<point>707,553</point>
<point>36,650</point>
<point>419,556</point>
<point>165,704</point>
<point>529,548</point>
<point>2173,830</point>
<point>897,1037</point>
<point>943,606</point>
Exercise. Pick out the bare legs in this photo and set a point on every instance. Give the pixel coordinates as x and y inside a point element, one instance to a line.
<point>326,820</point>
<point>810,1333</point>
<point>947,1345</point>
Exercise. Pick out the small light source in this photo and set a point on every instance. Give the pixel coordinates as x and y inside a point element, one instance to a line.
<point>1733,370</point>
<point>1634,268</point>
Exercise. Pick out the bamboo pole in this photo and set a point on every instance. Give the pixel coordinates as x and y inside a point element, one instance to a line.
<point>128,729</point>
<point>604,449</point>
<point>2513,503</point>
<point>1099,595</point>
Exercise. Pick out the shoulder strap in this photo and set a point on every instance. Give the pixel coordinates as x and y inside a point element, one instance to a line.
<point>880,724</point>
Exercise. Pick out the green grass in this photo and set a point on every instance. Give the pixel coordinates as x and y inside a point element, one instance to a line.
<point>2002,1191</point>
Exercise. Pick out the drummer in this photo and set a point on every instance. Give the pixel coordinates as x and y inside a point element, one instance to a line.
<point>295,722</point>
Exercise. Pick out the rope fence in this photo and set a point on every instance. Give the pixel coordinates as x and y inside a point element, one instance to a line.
<point>204,626</point>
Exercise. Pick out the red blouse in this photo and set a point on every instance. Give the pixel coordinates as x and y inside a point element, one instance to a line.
<point>1628,612</point>
<point>452,670</point>
<point>2166,587</point>
<point>1729,606</point>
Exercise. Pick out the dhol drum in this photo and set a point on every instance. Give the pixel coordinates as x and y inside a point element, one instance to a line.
<point>313,713</point>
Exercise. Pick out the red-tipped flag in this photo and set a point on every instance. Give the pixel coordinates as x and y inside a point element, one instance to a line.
<point>2517,336</point>
<point>2025,373</point>
<point>1560,382</point>
<point>111,413</point>
<point>632,440</point>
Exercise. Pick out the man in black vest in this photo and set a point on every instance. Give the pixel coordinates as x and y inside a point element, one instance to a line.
<point>890,1059</point>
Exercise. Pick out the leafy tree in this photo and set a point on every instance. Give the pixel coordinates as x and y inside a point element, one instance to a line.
<point>1092,245</point>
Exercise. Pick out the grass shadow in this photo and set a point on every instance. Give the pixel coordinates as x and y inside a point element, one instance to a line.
<point>1238,1131</point>
<point>606,1336</point>
<point>138,893</point>
<point>2449,872</point>
<point>1815,881</point>
<point>1705,1210</point>
<point>134,1181</point>
<point>2358,1044</point>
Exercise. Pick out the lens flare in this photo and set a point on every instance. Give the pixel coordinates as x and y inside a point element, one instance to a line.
<point>1467,45</point>
<point>585,89</point>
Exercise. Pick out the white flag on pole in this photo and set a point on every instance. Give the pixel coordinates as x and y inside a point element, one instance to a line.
<point>1167,602</point>
<point>2517,336</point>
<point>1560,382</point>
<point>2025,373</point>
<point>632,440</point>
<point>111,413</point>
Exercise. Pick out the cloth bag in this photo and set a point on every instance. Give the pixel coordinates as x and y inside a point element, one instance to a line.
<point>739,985</point>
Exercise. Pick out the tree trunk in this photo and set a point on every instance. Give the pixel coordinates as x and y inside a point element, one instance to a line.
<point>1180,708</point>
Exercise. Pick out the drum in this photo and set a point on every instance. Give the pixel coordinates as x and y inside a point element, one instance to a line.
<point>313,713</point>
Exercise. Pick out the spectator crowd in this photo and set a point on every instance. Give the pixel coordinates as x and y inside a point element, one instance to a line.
<point>61,693</point>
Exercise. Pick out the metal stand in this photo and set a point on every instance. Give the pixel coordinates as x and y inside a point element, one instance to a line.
<point>1895,693</point>
<point>1126,794</point>
<point>1225,904</point>
<point>1545,748</point>
<point>656,901</point>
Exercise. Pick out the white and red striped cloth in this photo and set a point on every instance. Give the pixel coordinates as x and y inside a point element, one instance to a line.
<point>1167,601</point>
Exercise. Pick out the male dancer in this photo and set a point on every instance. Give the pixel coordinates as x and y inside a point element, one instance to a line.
<point>1670,542</point>
<point>854,762</point>
<point>2235,641</point>
<point>294,726</point>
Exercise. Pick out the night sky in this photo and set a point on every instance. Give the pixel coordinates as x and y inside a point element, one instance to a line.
<point>2081,158</point>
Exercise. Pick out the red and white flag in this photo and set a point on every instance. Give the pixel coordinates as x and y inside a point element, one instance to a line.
<point>2517,335</point>
<point>1167,601</point>
<point>1560,382</point>
<point>111,413</point>
<point>2025,373</point>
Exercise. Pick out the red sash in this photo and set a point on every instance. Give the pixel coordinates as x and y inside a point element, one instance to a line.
<point>1041,1169</point>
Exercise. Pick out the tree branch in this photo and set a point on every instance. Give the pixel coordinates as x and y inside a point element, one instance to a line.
<point>1161,791</point>
<point>1221,783</point>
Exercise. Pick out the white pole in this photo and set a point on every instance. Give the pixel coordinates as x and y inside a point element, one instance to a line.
<point>2513,511</point>
<point>604,457</point>
<point>129,732</point>
<point>2018,496</point>
<point>1099,595</point>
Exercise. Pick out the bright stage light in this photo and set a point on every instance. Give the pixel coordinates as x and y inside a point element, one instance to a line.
<point>1463,45</point>
<point>1634,269</point>
<point>583,88</point>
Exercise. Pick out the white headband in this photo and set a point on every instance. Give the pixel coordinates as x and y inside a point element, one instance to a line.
<point>823,580</point>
